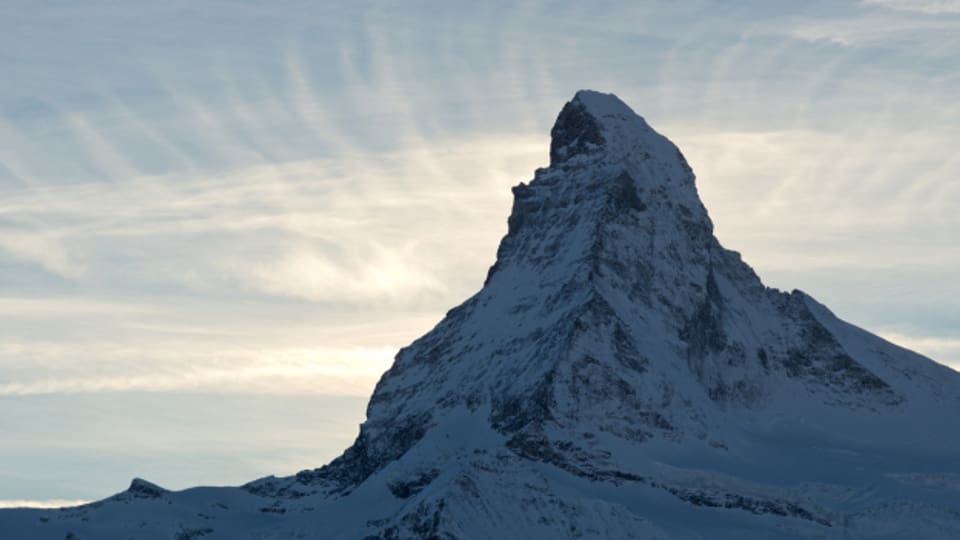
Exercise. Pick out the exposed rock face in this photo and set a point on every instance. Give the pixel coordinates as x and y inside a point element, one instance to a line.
<point>620,375</point>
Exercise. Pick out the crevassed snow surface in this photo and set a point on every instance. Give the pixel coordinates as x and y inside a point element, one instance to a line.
<point>620,375</point>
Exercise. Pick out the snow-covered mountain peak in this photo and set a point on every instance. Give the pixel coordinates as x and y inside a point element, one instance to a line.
<point>600,150</point>
<point>612,310</point>
<point>597,127</point>
<point>593,122</point>
<point>620,374</point>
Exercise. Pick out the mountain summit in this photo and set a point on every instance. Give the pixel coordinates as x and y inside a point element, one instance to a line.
<point>619,375</point>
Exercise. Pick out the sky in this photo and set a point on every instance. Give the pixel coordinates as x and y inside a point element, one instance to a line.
<point>220,220</point>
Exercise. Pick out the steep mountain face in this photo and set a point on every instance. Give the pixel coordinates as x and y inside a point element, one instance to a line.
<point>619,375</point>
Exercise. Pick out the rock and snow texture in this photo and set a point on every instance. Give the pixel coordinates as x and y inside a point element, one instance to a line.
<point>619,375</point>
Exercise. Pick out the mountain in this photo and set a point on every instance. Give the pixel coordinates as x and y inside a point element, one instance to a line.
<point>619,375</point>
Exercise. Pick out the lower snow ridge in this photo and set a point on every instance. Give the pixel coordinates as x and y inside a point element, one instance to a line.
<point>465,480</point>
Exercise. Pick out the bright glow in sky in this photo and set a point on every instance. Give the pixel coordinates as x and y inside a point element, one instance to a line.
<point>219,220</point>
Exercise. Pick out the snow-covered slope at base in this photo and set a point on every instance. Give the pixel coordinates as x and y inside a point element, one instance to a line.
<point>620,375</point>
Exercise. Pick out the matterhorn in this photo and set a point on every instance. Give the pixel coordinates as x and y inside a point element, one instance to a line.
<point>619,375</point>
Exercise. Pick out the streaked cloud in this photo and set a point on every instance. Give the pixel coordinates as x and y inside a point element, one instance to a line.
<point>930,7</point>
<point>50,503</point>
<point>41,248</point>
<point>351,372</point>
<point>870,31</point>
<point>319,230</point>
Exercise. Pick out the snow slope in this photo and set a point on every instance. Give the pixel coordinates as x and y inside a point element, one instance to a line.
<point>619,375</point>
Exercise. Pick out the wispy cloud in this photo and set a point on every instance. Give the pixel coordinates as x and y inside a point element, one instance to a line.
<point>41,248</point>
<point>313,229</point>
<point>380,273</point>
<point>878,190</point>
<point>350,372</point>
<point>929,7</point>
<point>931,37</point>
<point>49,503</point>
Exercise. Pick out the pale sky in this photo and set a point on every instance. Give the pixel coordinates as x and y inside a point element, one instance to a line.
<point>219,220</point>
